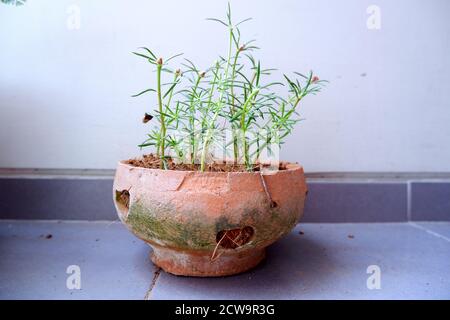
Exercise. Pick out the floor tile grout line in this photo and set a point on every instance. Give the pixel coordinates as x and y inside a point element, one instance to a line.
<point>408,201</point>
<point>156,275</point>
<point>433,233</point>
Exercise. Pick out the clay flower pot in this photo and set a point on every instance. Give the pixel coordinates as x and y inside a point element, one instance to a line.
<point>208,223</point>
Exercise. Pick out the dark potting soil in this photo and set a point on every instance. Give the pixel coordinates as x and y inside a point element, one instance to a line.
<point>153,162</point>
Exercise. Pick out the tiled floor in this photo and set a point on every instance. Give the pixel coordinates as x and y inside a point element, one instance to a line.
<point>316,261</point>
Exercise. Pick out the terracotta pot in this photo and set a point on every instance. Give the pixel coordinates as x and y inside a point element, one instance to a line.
<point>210,223</point>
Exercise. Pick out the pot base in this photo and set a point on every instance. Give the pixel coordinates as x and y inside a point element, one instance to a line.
<point>200,265</point>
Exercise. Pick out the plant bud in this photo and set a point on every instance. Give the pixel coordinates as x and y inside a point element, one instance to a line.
<point>315,79</point>
<point>202,74</point>
<point>159,61</point>
<point>178,72</point>
<point>242,48</point>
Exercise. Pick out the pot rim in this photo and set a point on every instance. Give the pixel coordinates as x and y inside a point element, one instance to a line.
<point>290,167</point>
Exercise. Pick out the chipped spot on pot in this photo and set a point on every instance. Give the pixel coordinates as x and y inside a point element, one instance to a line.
<point>122,201</point>
<point>234,238</point>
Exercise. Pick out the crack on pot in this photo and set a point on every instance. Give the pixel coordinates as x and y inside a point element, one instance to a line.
<point>272,203</point>
<point>181,183</point>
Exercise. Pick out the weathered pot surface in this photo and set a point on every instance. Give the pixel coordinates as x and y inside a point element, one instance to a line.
<point>208,223</point>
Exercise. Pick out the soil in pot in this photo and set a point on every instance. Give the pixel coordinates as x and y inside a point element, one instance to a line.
<point>151,161</point>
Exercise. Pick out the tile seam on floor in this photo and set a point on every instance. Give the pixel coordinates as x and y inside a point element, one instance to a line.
<point>431,232</point>
<point>156,275</point>
<point>408,201</point>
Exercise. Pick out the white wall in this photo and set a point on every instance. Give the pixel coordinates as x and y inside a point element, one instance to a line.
<point>65,94</point>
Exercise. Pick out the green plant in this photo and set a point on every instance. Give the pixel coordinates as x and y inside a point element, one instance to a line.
<point>231,95</point>
<point>14,2</point>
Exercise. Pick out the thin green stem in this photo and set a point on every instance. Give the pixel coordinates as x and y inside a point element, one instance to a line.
<point>206,142</point>
<point>235,141</point>
<point>169,99</point>
<point>229,51</point>
<point>296,102</point>
<point>244,127</point>
<point>208,135</point>
<point>161,114</point>
<point>192,118</point>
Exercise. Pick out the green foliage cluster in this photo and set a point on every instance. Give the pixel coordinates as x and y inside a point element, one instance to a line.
<point>194,105</point>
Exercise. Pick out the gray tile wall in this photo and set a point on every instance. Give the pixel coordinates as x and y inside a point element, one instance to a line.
<point>430,201</point>
<point>356,202</point>
<point>76,199</point>
<point>84,198</point>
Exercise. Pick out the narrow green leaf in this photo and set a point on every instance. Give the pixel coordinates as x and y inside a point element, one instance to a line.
<point>142,92</point>
<point>170,89</point>
<point>217,20</point>
<point>174,56</point>
<point>258,73</point>
<point>245,20</point>
<point>149,51</point>
<point>142,55</point>
<point>146,144</point>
